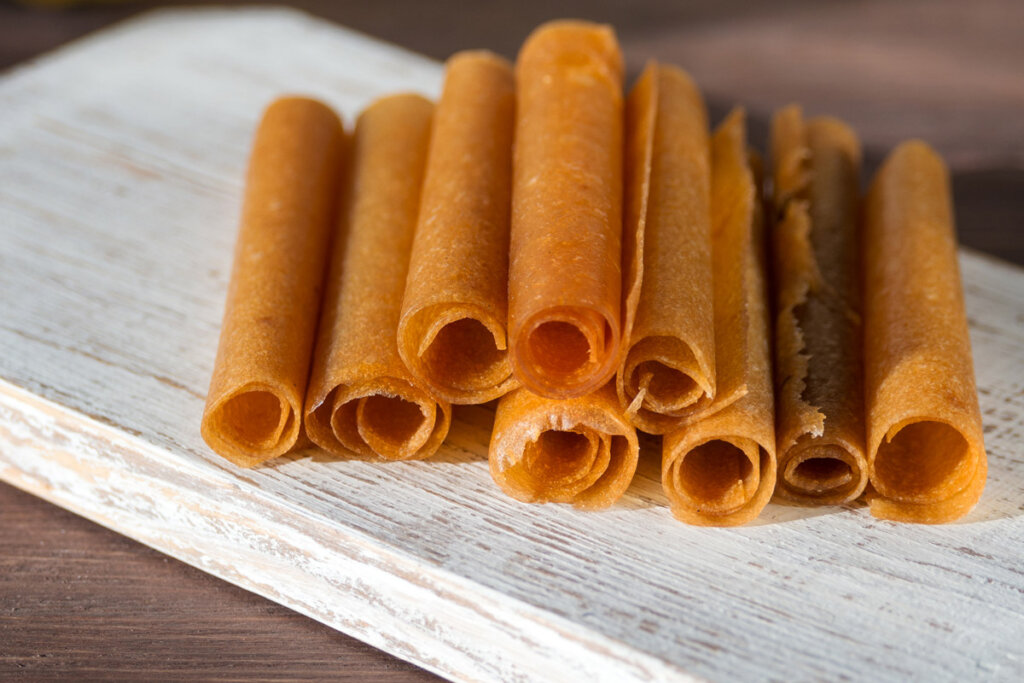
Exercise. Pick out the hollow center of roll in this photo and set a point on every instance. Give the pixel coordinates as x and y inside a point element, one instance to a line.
<point>666,386</point>
<point>923,457</point>
<point>560,346</point>
<point>463,353</point>
<point>822,474</point>
<point>715,472</point>
<point>254,419</point>
<point>560,456</point>
<point>390,419</point>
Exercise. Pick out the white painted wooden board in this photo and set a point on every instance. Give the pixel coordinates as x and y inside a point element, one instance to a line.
<point>121,161</point>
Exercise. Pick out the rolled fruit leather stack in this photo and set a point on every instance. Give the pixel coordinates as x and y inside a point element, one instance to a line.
<point>679,309</point>
<point>719,468</point>
<point>668,363</point>
<point>254,406</point>
<point>925,446</point>
<point>362,398</point>
<point>818,336</point>
<point>562,437</point>
<point>453,330</point>
<point>565,275</point>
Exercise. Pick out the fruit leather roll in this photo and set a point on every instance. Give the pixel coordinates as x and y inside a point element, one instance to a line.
<point>580,450</point>
<point>668,368</point>
<point>819,401</point>
<point>925,446</point>
<point>452,334</point>
<point>362,398</point>
<point>254,406</point>
<point>719,468</point>
<point>565,275</point>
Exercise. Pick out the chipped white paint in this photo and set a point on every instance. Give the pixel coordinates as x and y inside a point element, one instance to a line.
<point>121,161</point>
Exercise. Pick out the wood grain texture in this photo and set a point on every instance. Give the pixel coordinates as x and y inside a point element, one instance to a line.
<point>137,166</point>
<point>88,590</point>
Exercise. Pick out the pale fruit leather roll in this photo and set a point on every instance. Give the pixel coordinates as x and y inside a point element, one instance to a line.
<point>819,399</point>
<point>581,451</point>
<point>719,469</point>
<point>565,272</point>
<point>453,329</point>
<point>362,399</point>
<point>254,406</point>
<point>668,366</point>
<point>926,451</point>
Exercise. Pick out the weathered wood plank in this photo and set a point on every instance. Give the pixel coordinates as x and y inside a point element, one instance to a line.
<point>77,600</point>
<point>121,162</point>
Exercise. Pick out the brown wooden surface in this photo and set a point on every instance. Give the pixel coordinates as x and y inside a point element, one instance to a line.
<point>78,600</point>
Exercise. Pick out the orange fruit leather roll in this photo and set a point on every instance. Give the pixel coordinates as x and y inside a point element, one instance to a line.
<point>254,406</point>
<point>565,275</point>
<point>668,367</point>
<point>925,446</point>
<point>581,450</point>
<point>362,398</point>
<point>818,337</point>
<point>719,468</point>
<point>452,334</point>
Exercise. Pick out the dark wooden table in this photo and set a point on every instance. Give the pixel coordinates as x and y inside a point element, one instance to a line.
<point>79,600</point>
